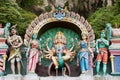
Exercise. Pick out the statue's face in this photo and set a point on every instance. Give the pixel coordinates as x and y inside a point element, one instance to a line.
<point>13,31</point>
<point>102,34</point>
<point>84,37</point>
<point>53,49</point>
<point>108,24</point>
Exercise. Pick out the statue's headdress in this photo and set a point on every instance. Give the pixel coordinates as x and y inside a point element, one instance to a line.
<point>84,33</point>
<point>103,31</point>
<point>60,3</point>
<point>13,27</point>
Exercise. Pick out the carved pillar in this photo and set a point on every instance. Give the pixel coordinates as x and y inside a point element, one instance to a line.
<point>112,62</point>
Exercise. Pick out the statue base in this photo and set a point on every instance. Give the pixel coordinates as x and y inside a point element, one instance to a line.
<point>31,76</point>
<point>107,77</point>
<point>81,77</point>
<point>13,77</point>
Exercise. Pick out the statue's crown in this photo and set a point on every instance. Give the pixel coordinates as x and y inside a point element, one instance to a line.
<point>14,26</point>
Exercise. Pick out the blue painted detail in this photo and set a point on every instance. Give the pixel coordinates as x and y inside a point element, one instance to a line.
<point>59,14</point>
<point>60,59</point>
<point>1,73</point>
<point>117,63</point>
<point>59,55</point>
<point>3,46</point>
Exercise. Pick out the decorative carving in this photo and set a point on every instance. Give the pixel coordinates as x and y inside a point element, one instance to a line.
<point>114,48</point>
<point>63,15</point>
<point>3,50</point>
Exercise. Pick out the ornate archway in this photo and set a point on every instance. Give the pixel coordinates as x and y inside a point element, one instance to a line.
<point>60,15</point>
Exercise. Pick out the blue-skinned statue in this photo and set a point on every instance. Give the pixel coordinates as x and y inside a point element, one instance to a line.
<point>102,53</point>
<point>84,53</point>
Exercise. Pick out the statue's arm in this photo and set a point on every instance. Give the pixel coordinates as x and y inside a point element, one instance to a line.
<point>47,46</point>
<point>96,47</point>
<point>72,48</point>
<point>79,45</point>
<point>78,59</point>
<point>46,51</point>
<point>21,41</point>
<point>106,42</point>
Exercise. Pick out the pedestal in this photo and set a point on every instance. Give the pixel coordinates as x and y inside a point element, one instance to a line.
<point>31,77</point>
<point>81,77</point>
<point>108,77</point>
<point>13,77</point>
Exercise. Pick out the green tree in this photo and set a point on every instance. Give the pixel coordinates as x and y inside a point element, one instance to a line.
<point>11,12</point>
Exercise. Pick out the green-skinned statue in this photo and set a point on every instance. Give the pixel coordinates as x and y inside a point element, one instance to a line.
<point>102,53</point>
<point>7,29</point>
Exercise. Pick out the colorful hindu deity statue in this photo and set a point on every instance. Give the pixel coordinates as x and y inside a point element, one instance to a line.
<point>15,42</point>
<point>102,53</point>
<point>3,49</point>
<point>59,52</point>
<point>33,54</point>
<point>84,53</point>
<point>113,35</point>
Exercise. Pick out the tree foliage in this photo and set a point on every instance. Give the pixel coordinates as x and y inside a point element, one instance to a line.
<point>27,4</point>
<point>11,12</point>
<point>105,15</point>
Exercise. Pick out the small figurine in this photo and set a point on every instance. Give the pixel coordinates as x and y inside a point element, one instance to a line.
<point>102,53</point>
<point>33,54</point>
<point>83,55</point>
<point>15,43</point>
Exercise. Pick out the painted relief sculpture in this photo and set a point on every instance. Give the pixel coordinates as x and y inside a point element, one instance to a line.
<point>59,53</point>
<point>33,54</point>
<point>84,53</point>
<point>3,49</point>
<point>102,53</point>
<point>15,42</point>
